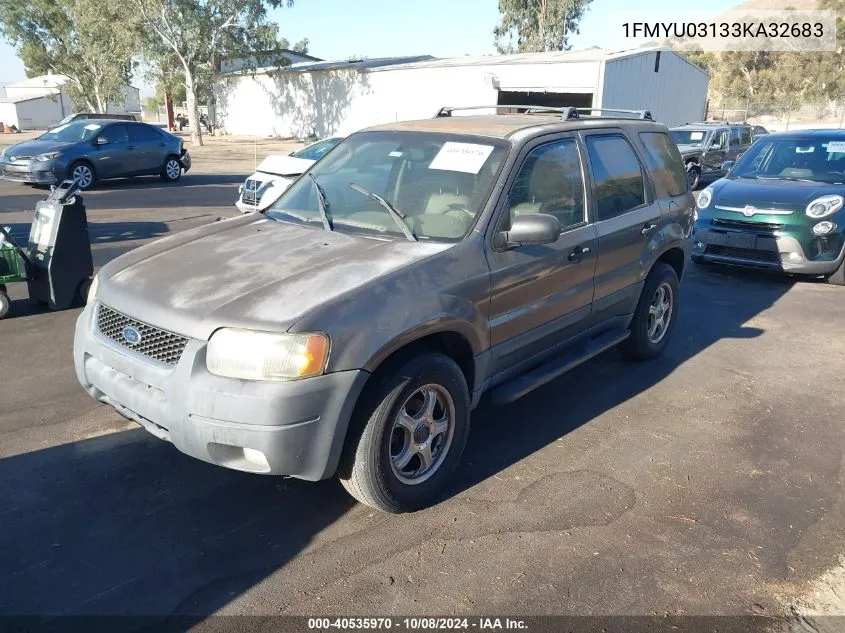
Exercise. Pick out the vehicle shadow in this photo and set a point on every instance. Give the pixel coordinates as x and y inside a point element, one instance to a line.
<point>125,525</point>
<point>187,180</point>
<point>715,305</point>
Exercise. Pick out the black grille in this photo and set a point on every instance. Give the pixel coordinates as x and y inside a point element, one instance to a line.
<point>160,345</point>
<point>742,224</point>
<point>751,254</point>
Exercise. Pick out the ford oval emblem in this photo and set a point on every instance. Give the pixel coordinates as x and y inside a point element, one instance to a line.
<point>749,210</point>
<point>131,336</point>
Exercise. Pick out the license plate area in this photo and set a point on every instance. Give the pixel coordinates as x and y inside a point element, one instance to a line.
<point>736,240</point>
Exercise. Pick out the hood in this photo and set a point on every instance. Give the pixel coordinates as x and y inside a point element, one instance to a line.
<point>36,147</point>
<point>775,194</point>
<point>281,165</point>
<point>250,272</point>
<point>689,149</point>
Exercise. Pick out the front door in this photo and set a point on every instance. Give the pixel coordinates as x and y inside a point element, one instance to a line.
<point>628,222</point>
<point>542,294</point>
<point>716,152</point>
<point>112,156</point>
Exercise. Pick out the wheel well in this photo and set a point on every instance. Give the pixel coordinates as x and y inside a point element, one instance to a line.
<point>675,258</point>
<point>452,344</point>
<point>85,161</point>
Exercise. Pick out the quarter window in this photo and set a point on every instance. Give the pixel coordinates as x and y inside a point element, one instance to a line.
<point>666,164</point>
<point>617,175</point>
<point>550,181</point>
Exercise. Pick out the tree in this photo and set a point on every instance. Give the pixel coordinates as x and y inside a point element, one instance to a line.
<point>89,41</point>
<point>199,33</point>
<point>537,25</point>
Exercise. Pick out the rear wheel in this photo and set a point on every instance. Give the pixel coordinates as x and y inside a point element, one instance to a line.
<point>412,440</point>
<point>837,278</point>
<point>655,316</point>
<point>5,304</point>
<point>171,171</point>
<point>83,174</point>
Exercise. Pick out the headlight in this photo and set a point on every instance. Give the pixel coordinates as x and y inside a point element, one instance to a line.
<point>254,355</point>
<point>704,198</point>
<point>824,206</point>
<point>49,156</point>
<point>92,291</point>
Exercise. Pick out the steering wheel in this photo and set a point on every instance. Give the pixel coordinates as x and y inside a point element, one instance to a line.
<point>456,206</point>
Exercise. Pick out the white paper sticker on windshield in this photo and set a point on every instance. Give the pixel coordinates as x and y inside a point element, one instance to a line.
<point>809,149</point>
<point>836,147</point>
<point>395,154</point>
<point>93,126</point>
<point>465,157</point>
<point>696,136</point>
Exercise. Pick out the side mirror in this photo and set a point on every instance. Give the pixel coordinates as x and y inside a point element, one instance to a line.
<point>101,140</point>
<point>728,165</point>
<point>533,228</point>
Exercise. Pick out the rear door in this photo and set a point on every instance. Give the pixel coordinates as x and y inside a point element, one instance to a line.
<point>113,158</point>
<point>149,146</point>
<point>628,222</point>
<point>542,294</point>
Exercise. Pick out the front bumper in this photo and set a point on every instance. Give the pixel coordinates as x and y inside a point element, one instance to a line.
<point>30,172</point>
<point>294,428</point>
<point>767,251</point>
<point>185,160</point>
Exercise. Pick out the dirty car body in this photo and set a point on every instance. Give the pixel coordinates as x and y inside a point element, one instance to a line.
<point>406,241</point>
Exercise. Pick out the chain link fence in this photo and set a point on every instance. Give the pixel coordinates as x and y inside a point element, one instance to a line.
<point>783,115</point>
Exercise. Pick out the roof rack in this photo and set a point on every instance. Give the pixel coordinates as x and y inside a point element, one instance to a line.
<point>639,114</point>
<point>566,113</point>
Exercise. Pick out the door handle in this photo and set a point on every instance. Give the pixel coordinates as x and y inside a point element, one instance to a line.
<point>578,252</point>
<point>648,228</point>
<point>130,147</point>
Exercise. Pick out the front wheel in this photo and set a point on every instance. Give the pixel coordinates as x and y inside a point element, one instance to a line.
<point>171,171</point>
<point>5,304</point>
<point>83,174</point>
<point>412,440</point>
<point>693,176</point>
<point>837,277</point>
<point>655,316</point>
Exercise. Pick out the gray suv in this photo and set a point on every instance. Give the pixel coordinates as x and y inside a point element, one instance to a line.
<point>351,328</point>
<point>706,147</point>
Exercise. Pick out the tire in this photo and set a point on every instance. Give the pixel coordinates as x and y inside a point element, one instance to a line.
<point>837,277</point>
<point>5,304</point>
<point>641,345</point>
<point>83,169</point>
<point>372,469</point>
<point>693,177</point>
<point>171,170</point>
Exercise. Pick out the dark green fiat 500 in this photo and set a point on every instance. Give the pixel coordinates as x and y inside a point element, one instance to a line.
<point>779,207</point>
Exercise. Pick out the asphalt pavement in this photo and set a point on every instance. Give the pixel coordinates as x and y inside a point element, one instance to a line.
<point>708,481</point>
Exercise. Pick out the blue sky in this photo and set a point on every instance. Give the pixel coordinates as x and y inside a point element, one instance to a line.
<point>339,29</point>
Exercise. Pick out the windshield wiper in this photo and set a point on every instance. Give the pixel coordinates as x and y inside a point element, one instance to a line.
<point>789,178</point>
<point>394,213</point>
<point>322,203</point>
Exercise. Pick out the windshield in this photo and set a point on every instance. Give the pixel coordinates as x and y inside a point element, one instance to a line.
<point>435,183</point>
<point>817,160</point>
<point>689,137</point>
<point>67,119</point>
<point>77,131</point>
<point>316,151</point>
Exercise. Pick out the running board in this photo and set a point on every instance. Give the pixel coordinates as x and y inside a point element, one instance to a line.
<point>539,376</point>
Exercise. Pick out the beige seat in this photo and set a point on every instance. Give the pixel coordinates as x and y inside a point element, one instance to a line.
<point>550,191</point>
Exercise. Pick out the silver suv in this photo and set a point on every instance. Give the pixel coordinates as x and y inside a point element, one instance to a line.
<point>352,327</point>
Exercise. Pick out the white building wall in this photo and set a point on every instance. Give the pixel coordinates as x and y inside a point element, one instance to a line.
<point>39,114</point>
<point>9,114</point>
<point>675,94</point>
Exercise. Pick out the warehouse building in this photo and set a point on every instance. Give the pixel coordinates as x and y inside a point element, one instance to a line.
<point>40,102</point>
<point>328,98</point>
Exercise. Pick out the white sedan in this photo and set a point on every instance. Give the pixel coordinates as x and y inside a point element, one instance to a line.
<point>276,173</point>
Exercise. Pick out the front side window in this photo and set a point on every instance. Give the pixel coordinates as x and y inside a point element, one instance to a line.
<point>550,181</point>
<point>437,183</point>
<point>617,175</point>
<point>667,167</point>
<point>720,140</point>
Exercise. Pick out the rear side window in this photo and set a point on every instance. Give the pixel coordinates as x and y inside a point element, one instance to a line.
<point>746,136</point>
<point>665,163</point>
<point>143,133</point>
<point>736,138</point>
<point>617,175</point>
<point>114,134</point>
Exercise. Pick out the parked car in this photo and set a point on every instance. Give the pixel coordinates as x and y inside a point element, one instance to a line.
<point>706,146</point>
<point>85,116</point>
<point>95,149</point>
<point>352,327</point>
<point>779,207</point>
<point>276,173</point>
<point>758,130</point>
